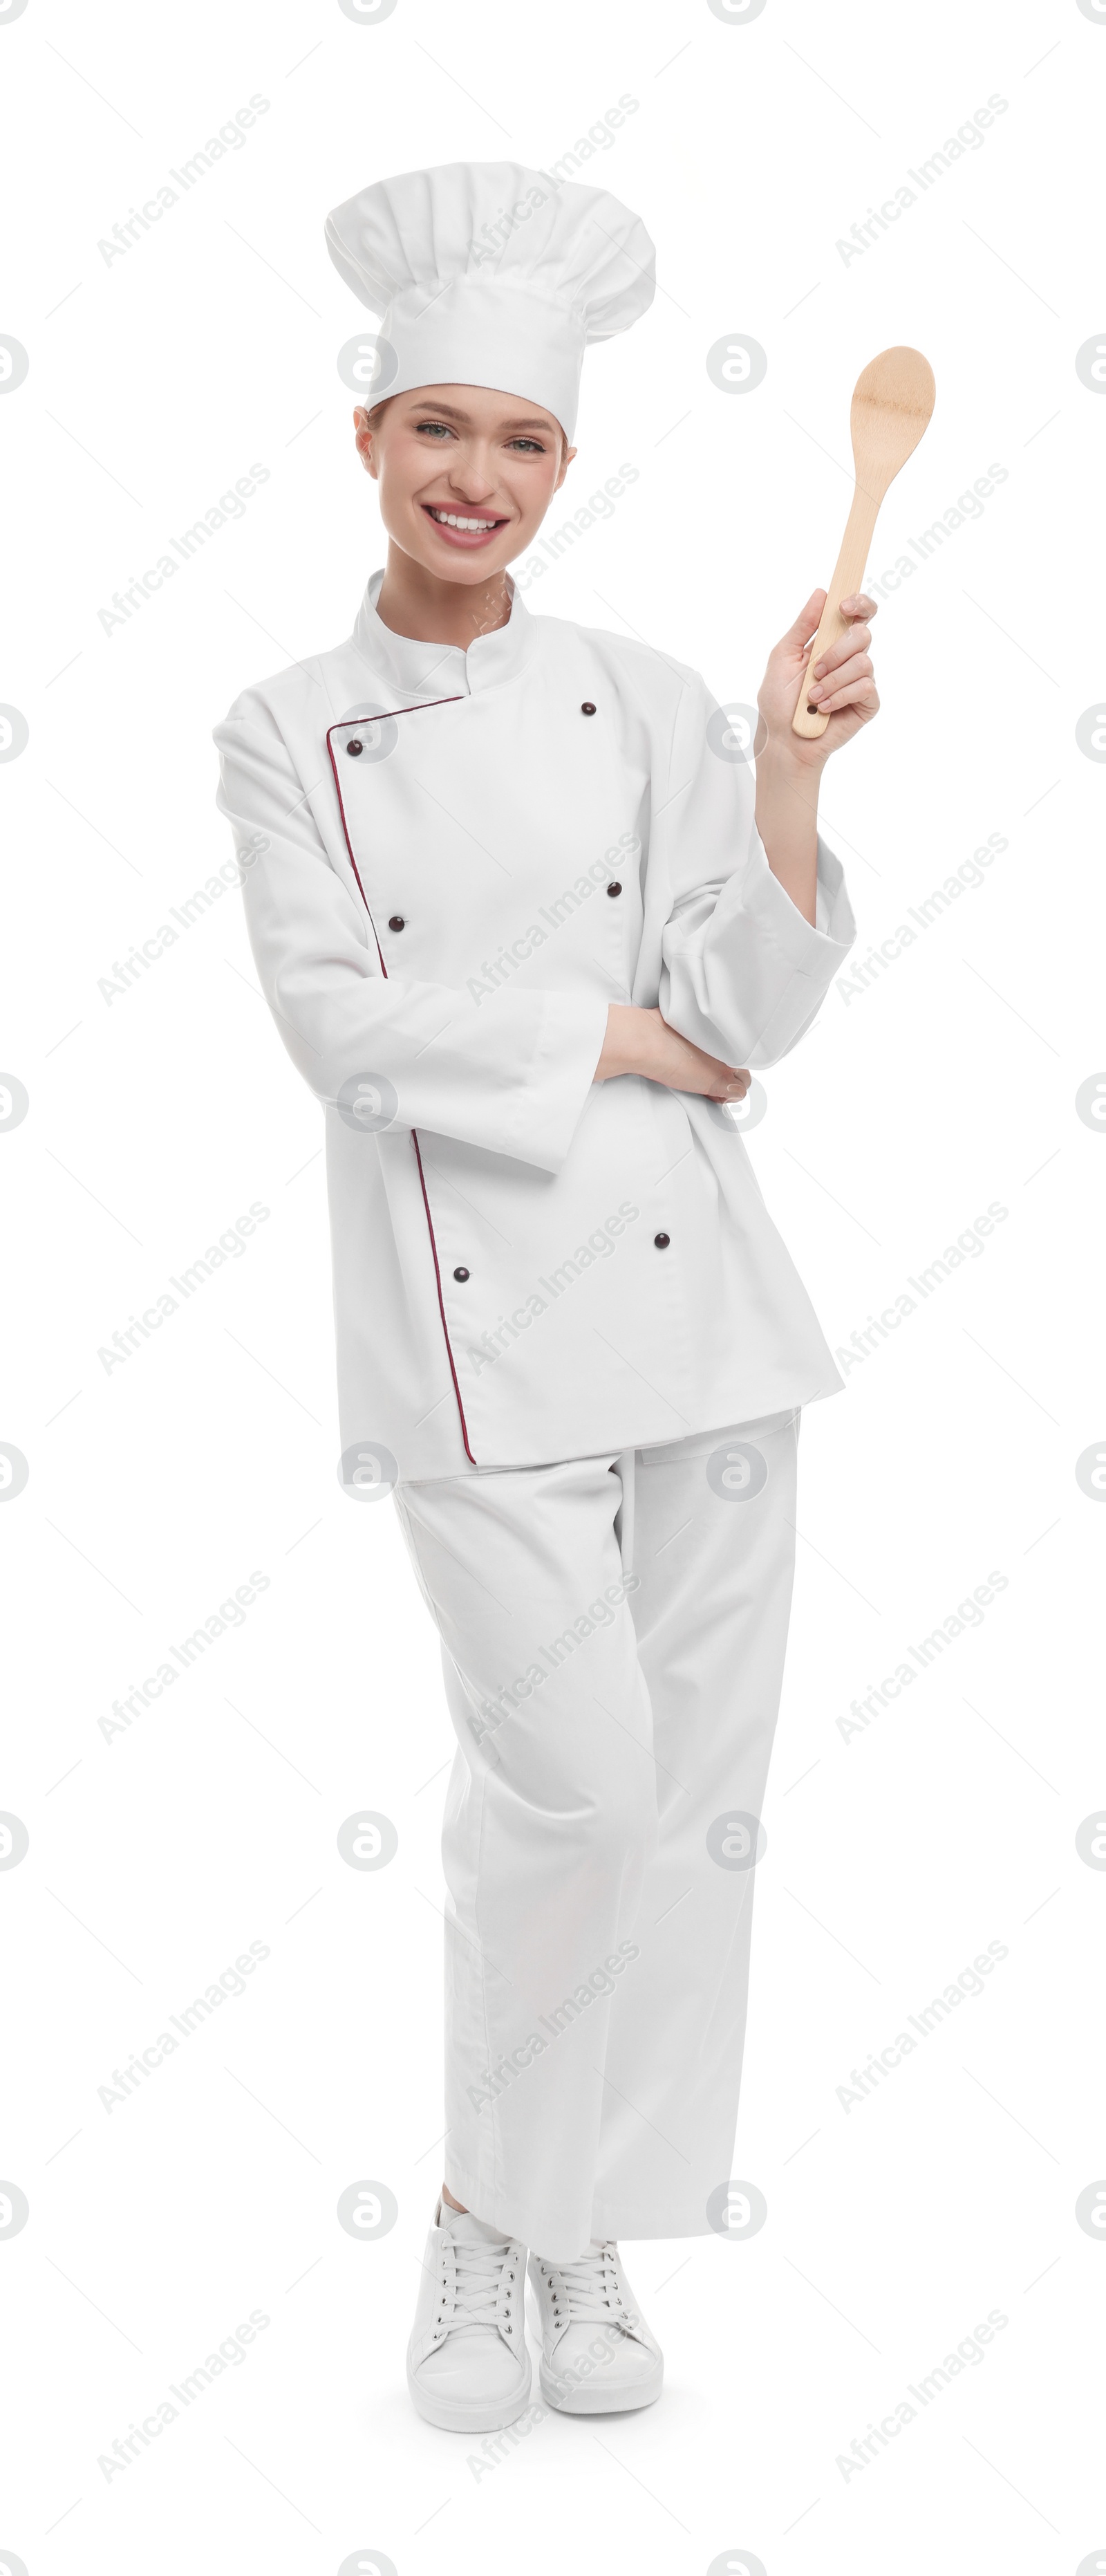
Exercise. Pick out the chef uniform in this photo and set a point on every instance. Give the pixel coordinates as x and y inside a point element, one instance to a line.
<point>453,863</point>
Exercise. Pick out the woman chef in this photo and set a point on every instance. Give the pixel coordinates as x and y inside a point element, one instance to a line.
<point>524,937</point>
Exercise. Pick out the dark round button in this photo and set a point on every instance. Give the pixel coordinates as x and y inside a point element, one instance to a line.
<point>615,888</point>
<point>396,921</point>
<point>587,709</point>
<point>662,1241</point>
<point>355,746</point>
<point>460,1274</point>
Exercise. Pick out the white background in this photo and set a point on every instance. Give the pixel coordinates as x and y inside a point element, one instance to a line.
<point>156,1118</point>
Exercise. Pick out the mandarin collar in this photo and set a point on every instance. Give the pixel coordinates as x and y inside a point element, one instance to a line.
<point>424,670</point>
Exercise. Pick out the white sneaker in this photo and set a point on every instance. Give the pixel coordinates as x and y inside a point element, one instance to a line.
<point>468,2368</point>
<point>598,2355</point>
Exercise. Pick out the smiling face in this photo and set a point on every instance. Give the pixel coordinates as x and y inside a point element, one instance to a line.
<point>466,475</point>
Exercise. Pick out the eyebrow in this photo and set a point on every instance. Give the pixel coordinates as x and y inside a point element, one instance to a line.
<point>446,411</point>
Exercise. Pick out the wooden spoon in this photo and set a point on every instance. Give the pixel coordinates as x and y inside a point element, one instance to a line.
<point>892,404</point>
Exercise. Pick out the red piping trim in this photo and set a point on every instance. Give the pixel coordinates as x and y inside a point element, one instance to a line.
<point>441,1307</point>
<point>404,711</point>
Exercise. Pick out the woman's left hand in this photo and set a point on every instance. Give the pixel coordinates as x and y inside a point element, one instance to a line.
<point>841,684</point>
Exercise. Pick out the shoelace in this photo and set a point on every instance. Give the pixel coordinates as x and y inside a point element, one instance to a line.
<point>477,2270</point>
<point>591,2287</point>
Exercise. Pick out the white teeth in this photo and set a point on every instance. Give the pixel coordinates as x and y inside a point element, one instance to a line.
<point>470,527</point>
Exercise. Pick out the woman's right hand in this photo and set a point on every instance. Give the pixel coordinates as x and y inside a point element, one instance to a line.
<point>641,1042</point>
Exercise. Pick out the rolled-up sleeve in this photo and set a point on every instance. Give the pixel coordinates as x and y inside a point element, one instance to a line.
<point>512,1077</point>
<point>743,973</point>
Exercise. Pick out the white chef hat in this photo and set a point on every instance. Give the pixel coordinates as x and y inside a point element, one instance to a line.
<point>485,273</point>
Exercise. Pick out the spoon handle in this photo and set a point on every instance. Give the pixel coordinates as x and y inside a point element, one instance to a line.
<point>847,577</point>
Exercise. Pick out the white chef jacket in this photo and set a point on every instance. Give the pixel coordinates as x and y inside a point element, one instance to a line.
<point>528,1265</point>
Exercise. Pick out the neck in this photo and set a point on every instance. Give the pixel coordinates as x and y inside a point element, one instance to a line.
<point>415,603</point>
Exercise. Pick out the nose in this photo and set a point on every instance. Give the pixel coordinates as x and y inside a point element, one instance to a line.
<point>472,475</point>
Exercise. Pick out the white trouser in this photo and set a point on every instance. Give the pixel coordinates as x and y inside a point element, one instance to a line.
<point>614,1692</point>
